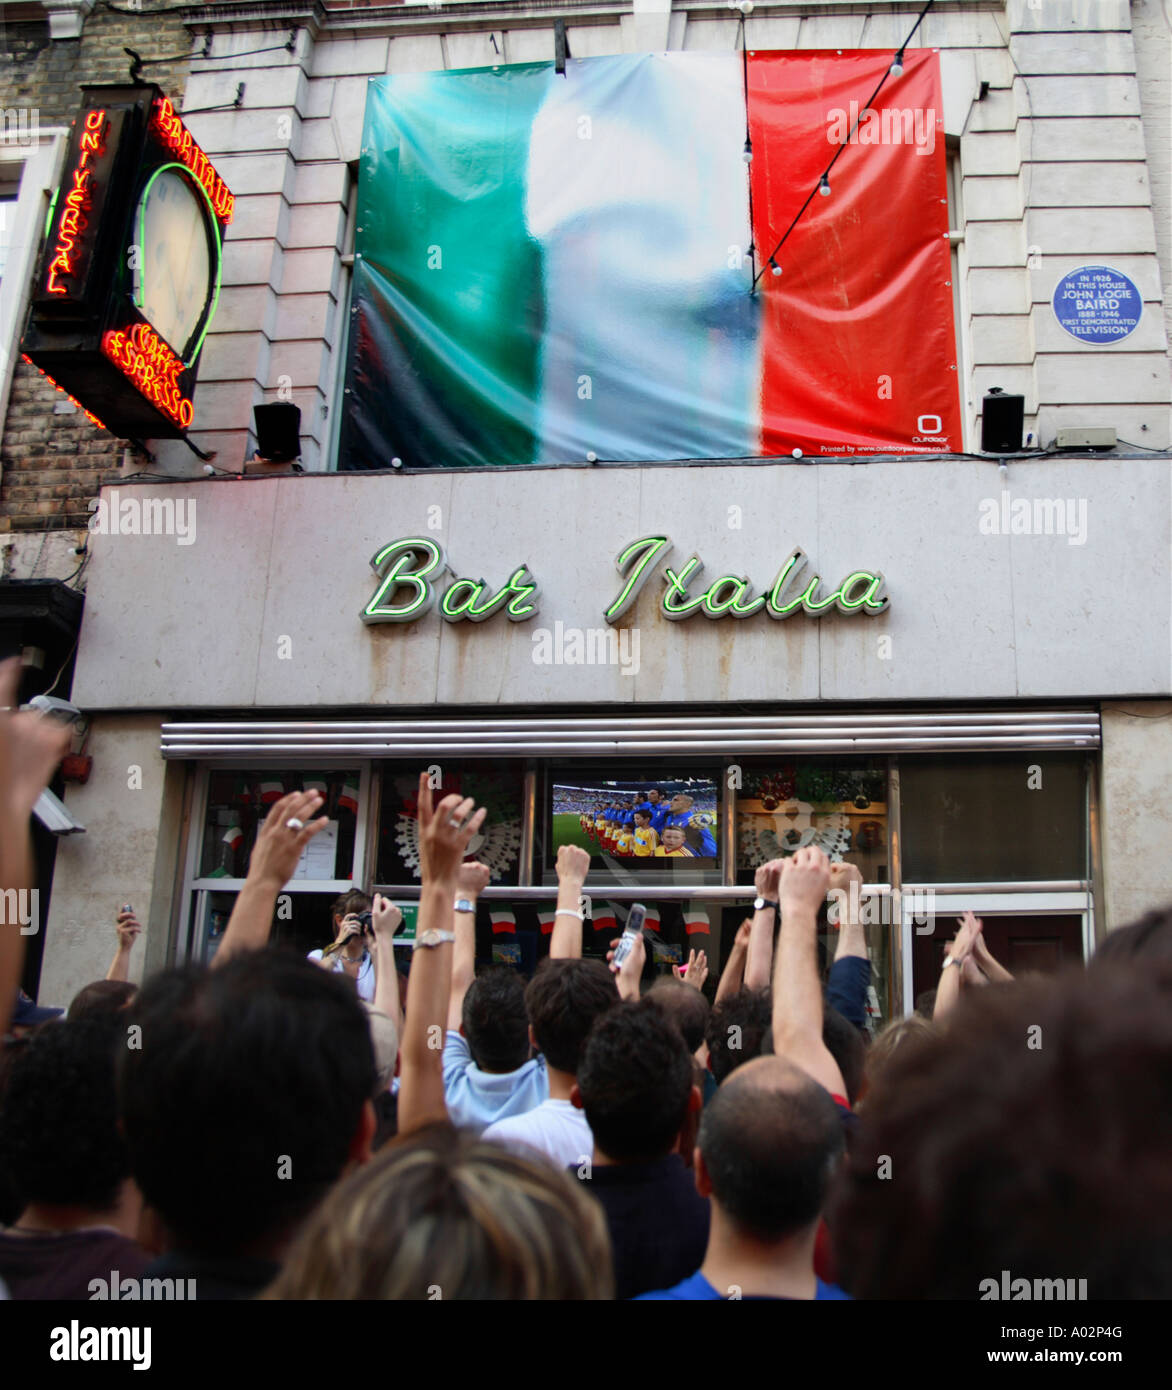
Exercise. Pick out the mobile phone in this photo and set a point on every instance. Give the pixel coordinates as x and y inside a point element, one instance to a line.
<point>126,908</point>
<point>631,933</point>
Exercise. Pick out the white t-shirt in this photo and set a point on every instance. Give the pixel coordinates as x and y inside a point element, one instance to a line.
<point>555,1128</point>
<point>365,979</point>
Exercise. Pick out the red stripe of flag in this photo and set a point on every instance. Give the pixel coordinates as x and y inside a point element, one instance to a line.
<point>697,922</point>
<point>546,921</point>
<point>605,921</point>
<point>503,923</point>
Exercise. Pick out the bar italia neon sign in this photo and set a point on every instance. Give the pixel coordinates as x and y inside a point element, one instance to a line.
<point>410,572</point>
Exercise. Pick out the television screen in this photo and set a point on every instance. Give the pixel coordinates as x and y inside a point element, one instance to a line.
<point>641,822</point>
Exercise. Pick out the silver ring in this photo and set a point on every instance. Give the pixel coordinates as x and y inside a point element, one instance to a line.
<point>454,823</point>
<point>294,824</point>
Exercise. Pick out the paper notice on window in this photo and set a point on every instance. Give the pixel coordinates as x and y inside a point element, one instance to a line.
<point>319,856</point>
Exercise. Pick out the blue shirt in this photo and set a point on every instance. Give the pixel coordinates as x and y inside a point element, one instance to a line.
<point>696,1288</point>
<point>477,1099</point>
<point>683,819</point>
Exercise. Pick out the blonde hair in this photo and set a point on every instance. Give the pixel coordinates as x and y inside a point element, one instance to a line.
<point>912,1031</point>
<point>443,1214</point>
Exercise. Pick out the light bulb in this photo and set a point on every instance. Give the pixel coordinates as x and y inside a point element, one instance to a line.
<point>897,66</point>
<point>591,456</point>
<point>746,7</point>
<point>396,463</point>
<point>824,187</point>
<point>797,453</point>
<point>747,153</point>
<point>774,268</point>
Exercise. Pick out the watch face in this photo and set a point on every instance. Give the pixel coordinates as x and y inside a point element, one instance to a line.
<point>175,278</point>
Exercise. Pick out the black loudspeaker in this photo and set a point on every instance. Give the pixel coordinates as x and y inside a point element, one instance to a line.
<point>278,431</point>
<point>1002,419</point>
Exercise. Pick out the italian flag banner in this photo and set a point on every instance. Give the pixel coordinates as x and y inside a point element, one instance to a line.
<point>503,923</point>
<point>545,919</point>
<point>696,922</point>
<point>605,920</point>
<point>553,268</point>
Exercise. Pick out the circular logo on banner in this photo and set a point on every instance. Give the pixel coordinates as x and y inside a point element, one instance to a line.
<point>1097,305</point>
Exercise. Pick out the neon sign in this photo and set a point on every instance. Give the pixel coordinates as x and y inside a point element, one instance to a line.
<point>410,569</point>
<point>731,595</point>
<point>416,563</point>
<point>74,222</point>
<point>174,134</point>
<point>151,367</point>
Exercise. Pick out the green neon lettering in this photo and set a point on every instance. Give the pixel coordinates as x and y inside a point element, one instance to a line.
<point>453,608</point>
<point>813,605</point>
<point>790,570</point>
<point>872,600</point>
<point>678,584</point>
<point>394,563</point>
<point>522,586</point>
<point>714,608</point>
<point>639,558</point>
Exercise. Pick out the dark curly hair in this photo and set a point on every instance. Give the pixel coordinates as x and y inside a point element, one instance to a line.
<point>495,1021</point>
<point>564,997</point>
<point>635,1080</point>
<point>1035,1137</point>
<point>59,1138</point>
<point>750,1013</point>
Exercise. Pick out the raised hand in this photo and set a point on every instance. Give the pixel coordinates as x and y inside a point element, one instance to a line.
<point>696,970</point>
<point>805,881</point>
<point>472,879</point>
<point>445,832</point>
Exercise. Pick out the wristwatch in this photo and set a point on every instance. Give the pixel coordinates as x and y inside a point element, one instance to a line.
<point>759,903</point>
<point>950,960</point>
<point>464,905</point>
<point>433,938</point>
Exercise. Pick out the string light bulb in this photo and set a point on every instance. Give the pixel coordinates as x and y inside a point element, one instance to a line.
<point>747,154</point>
<point>774,268</point>
<point>824,187</point>
<point>897,66</point>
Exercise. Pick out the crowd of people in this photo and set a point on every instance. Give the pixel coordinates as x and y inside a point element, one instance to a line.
<point>267,1127</point>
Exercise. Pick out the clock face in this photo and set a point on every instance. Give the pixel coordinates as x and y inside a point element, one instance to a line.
<point>175,278</point>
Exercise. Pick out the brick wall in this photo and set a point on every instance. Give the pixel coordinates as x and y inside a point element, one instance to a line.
<point>52,460</point>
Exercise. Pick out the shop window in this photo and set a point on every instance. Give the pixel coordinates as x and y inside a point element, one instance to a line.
<point>838,805</point>
<point>238,802</point>
<point>496,786</point>
<point>994,818</point>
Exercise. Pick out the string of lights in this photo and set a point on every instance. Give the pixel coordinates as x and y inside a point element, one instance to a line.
<point>823,185</point>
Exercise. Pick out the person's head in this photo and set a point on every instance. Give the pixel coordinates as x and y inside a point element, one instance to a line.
<point>687,1008</point>
<point>1144,942</point>
<point>59,1138</point>
<point>680,802</point>
<point>563,998</point>
<point>1035,1138</point>
<point>926,1003</point>
<point>495,1022</point>
<point>352,901</point>
<point>384,1042</point>
<point>655,796</point>
<point>443,1212</point>
<point>642,819</point>
<point>769,1143</point>
<point>102,998</point>
<point>737,1028</point>
<point>673,837</point>
<point>912,1032</point>
<point>259,1073</point>
<point>635,1083</point>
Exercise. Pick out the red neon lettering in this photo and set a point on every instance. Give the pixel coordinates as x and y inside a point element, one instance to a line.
<point>73,222</point>
<point>152,368</point>
<point>175,135</point>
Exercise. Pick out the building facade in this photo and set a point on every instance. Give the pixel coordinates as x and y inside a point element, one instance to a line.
<point>986,727</point>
